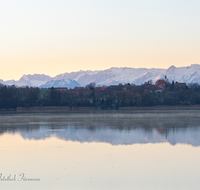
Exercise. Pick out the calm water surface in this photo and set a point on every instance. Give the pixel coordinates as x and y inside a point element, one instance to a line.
<point>103,150</point>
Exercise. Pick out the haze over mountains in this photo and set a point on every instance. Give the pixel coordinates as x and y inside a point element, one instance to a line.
<point>112,76</point>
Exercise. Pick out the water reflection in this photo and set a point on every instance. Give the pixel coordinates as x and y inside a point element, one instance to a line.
<point>47,146</point>
<point>116,128</point>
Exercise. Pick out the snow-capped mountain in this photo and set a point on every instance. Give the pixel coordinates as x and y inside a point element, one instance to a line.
<point>29,80</point>
<point>113,76</point>
<point>190,74</point>
<point>61,83</point>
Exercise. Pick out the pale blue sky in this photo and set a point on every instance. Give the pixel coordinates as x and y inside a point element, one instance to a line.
<point>51,37</point>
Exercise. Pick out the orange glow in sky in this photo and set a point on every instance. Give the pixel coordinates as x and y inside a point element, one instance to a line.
<point>53,37</point>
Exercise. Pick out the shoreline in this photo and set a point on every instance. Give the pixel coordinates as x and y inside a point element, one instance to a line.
<point>66,109</point>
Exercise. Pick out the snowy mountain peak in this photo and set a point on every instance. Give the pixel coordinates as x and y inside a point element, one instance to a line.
<point>195,66</point>
<point>33,80</point>
<point>29,80</point>
<point>35,76</point>
<point>68,83</point>
<point>170,69</point>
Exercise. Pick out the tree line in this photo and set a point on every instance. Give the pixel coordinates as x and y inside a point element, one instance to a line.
<point>111,97</point>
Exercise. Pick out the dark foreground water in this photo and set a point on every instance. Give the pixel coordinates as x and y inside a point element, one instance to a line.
<point>103,150</point>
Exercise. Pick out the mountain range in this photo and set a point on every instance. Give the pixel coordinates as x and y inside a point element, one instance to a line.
<point>112,76</point>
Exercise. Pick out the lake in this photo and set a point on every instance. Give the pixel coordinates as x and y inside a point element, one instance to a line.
<point>109,150</point>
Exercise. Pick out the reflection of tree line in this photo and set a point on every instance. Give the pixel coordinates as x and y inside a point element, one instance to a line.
<point>93,122</point>
<point>111,97</point>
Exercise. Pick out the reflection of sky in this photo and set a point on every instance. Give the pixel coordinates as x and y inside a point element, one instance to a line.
<point>64,164</point>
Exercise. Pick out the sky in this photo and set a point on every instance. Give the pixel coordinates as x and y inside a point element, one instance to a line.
<point>57,36</point>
